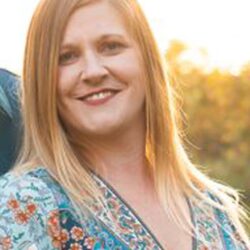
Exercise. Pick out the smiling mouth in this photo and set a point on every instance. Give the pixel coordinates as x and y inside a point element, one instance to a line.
<point>99,98</point>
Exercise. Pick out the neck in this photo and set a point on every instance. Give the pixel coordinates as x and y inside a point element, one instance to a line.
<point>119,157</point>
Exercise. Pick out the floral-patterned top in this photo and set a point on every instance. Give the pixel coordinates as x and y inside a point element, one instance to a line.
<point>36,214</point>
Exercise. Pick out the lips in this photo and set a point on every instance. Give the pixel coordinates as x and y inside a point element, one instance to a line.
<point>97,92</point>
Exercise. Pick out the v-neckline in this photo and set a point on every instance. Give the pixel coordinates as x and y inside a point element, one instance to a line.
<point>135,214</point>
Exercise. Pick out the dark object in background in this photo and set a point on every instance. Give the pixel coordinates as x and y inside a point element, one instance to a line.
<point>10,120</point>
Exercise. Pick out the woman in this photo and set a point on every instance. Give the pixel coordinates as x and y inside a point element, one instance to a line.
<point>102,165</point>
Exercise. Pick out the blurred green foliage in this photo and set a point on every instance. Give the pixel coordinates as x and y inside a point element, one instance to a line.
<point>216,109</point>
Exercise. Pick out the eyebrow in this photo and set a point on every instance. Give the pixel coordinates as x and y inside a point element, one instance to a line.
<point>102,37</point>
<point>111,35</point>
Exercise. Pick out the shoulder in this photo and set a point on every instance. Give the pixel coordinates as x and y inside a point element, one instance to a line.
<point>9,95</point>
<point>26,187</point>
<point>26,202</point>
<point>8,79</point>
<point>9,85</point>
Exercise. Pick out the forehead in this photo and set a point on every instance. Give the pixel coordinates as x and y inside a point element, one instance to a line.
<point>95,19</point>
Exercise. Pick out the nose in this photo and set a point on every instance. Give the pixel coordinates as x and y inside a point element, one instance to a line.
<point>93,69</point>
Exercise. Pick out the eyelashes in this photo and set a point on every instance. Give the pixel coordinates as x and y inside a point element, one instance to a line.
<point>112,47</point>
<point>67,57</point>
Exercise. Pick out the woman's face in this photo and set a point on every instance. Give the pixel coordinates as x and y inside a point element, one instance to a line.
<point>101,88</point>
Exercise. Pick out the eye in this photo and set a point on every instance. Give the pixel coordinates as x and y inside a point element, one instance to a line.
<point>112,48</point>
<point>67,57</point>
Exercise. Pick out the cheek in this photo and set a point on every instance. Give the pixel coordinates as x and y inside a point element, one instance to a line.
<point>61,98</point>
<point>66,114</point>
<point>63,93</point>
<point>67,77</point>
<point>127,68</point>
<point>63,79</point>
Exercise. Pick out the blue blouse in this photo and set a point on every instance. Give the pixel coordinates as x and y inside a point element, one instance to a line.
<point>35,213</point>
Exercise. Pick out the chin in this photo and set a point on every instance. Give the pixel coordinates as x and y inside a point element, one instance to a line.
<point>103,132</point>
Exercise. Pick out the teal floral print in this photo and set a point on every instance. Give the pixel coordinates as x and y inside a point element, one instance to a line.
<point>36,214</point>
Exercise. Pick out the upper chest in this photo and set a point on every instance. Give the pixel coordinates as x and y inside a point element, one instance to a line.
<point>144,219</point>
<point>142,215</point>
<point>159,224</point>
<point>138,222</point>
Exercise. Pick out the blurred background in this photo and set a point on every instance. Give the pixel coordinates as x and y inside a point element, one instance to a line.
<point>216,112</point>
<point>207,48</point>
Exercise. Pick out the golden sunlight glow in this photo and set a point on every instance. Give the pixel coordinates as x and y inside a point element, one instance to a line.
<point>218,26</point>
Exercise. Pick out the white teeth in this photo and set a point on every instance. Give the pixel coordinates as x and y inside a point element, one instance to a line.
<point>99,96</point>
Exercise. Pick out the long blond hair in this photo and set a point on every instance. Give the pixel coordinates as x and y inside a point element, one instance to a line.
<point>47,143</point>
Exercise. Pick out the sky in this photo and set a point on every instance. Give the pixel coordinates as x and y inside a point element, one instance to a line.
<point>221,27</point>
